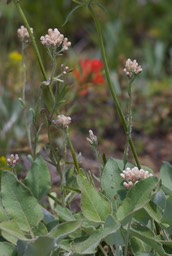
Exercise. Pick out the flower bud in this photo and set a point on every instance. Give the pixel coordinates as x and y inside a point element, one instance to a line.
<point>92,139</point>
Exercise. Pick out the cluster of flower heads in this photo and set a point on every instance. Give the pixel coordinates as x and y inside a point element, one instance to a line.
<point>92,139</point>
<point>23,34</point>
<point>132,176</point>
<point>55,39</point>
<point>62,121</point>
<point>12,160</point>
<point>90,73</point>
<point>132,68</point>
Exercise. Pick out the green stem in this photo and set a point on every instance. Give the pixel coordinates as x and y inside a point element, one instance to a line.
<point>91,178</point>
<point>54,65</point>
<point>54,198</point>
<point>51,79</point>
<point>72,151</point>
<point>111,88</point>
<point>24,72</point>
<point>34,44</point>
<point>24,93</point>
<point>127,239</point>
<point>97,159</point>
<point>32,38</point>
<point>36,138</point>
<point>58,166</point>
<point>25,109</point>
<point>129,123</point>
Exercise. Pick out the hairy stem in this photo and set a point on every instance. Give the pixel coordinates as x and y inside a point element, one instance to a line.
<point>72,151</point>
<point>129,122</point>
<point>24,73</point>
<point>98,159</point>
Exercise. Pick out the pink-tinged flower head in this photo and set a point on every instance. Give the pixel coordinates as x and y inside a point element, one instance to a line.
<point>62,121</point>
<point>12,160</point>
<point>133,175</point>
<point>55,39</point>
<point>23,34</point>
<point>132,68</point>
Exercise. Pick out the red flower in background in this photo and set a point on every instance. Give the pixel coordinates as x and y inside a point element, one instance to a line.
<point>90,74</point>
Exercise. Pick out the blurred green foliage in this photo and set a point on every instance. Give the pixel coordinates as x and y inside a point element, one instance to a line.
<point>134,27</point>
<point>131,27</point>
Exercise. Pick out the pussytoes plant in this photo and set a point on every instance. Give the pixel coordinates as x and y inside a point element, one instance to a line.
<point>127,212</point>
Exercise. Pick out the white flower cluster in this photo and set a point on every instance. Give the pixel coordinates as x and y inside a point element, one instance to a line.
<point>132,176</point>
<point>55,39</point>
<point>92,139</point>
<point>12,160</point>
<point>23,34</point>
<point>62,121</point>
<point>132,68</point>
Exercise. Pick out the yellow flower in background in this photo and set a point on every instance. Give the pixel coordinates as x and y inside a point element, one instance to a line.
<point>3,160</point>
<point>14,71</point>
<point>15,57</point>
<point>154,32</point>
<point>3,164</point>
